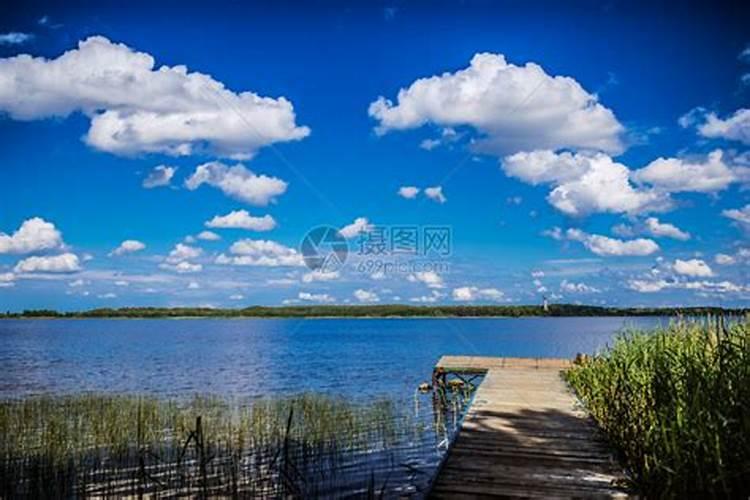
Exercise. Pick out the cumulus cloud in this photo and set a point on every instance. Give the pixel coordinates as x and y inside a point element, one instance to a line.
<point>584,183</point>
<point>63,263</point>
<point>606,246</point>
<point>703,286</point>
<point>208,236</point>
<point>179,258</point>
<point>264,253</point>
<point>241,219</point>
<point>429,278</point>
<point>473,293</point>
<point>571,287</point>
<point>735,127</point>
<point>662,229</point>
<point>684,175</point>
<point>237,182</point>
<point>366,296</point>
<point>741,215</point>
<point>360,225</point>
<point>7,280</point>
<point>408,192</point>
<point>434,296</point>
<point>128,246</point>
<point>320,275</point>
<point>160,175</point>
<point>692,267</point>
<point>136,107</point>
<point>35,234</point>
<point>15,38</point>
<point>724,260</point>
<point>315,297</point>
<point>435,193</point>
<point>513,108</point>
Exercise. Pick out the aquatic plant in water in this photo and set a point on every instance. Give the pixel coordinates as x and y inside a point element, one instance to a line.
<point>676,403</point>
<point>106,445</point>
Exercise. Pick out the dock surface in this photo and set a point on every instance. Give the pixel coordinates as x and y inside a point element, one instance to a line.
<point>525,435</point>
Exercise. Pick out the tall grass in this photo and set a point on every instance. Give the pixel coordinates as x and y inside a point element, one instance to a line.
<point>113,446</point>
<point>676,402</point>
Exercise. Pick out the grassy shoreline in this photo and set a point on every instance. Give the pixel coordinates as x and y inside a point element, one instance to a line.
<point>675,402</point>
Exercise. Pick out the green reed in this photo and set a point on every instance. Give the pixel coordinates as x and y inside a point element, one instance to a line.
<point>111,446</point>
<point>676,403</point>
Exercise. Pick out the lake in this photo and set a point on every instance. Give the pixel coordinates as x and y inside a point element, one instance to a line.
<point>358,358</point>
<point>361,360</point>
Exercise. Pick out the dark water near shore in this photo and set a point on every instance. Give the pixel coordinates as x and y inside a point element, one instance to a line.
<point>359,359</point>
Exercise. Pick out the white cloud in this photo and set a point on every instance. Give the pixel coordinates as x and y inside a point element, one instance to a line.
<point>179,258</point>
<point>183,252</point>
<point>108,295</point>
<point>34,234</point>
<point>182,267</point>
<point>263,253</point>
<point>237,182</point>
<point>434,296</point>
<point>377,275</point>
<point>683,175</point>
<point>692,267</point>
<point>63,263</point>
<point>703,286</point>
<point>724,260</point>
<point>647,286</point>
<point>735,127</point>
<point>429,278</point>
<point>408,192</point>
<point>319,275</point>
<point>514,108</point>
<point>315,297</point>
<point>571,287</point>
<point>241,219</point>
<point>584,183</point>
<point>15,38</point>
<point>366,296</point>
<point>741,215</point>
<point>659,229</point>
<point>236,296</point>
<point>7,280</point>
<point>360,225</point>
<point>136,108</point>
<point>193,285</point>
<point>160,175</point>
<point>122,283</point>
<point>606,246</point>
<point>76,283</point>
<point>435,193</point>
<point>473,293</point>
<point>208,236</point>
<point>128,246</point>
<point>429,144</point>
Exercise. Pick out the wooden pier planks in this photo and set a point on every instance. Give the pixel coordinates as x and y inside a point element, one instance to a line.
<point>525,436</point>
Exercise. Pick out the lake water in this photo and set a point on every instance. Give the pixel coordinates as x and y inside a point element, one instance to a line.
<point>359,359</point>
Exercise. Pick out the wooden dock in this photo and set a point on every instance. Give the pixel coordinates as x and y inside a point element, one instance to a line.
<point>525,435</point>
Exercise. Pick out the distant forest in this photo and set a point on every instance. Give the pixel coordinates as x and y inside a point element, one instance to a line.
<point>376,311</point>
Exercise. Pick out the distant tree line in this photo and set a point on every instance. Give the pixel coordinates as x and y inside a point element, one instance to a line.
<point>376,311</point>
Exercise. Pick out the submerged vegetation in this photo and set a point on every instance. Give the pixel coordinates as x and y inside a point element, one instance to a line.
<point>676,403</point>
<point>113,446</point>
<point>365,311</point>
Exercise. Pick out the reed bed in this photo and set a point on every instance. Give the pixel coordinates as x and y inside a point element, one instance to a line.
<point>98,445</point>
<point>676,403</point>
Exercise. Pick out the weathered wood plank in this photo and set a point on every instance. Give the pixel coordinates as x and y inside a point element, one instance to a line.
<point>525,436</point>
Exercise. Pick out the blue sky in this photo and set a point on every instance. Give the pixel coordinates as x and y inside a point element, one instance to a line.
<point>593,153</point>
